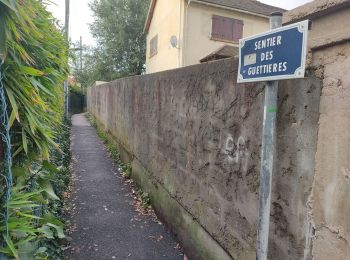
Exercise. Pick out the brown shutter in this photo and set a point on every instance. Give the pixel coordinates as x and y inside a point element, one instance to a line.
<point>227,29</point>
<point>216,27</point>
<point>237,30</point>
<point>153,45</point>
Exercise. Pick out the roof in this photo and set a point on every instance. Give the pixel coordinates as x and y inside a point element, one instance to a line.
<point>226,51</point>
<point>314,10</point>
<point>251,6</point>
<point>152,5</point>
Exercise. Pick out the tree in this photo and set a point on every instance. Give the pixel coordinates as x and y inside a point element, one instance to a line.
<point>121,43</point>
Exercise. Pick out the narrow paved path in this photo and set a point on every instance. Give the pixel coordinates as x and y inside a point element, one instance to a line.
<point>105,224</point>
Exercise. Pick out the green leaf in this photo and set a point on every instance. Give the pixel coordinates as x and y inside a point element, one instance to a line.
<point>47,187</point>
<point>28,216</point>
<point>26,195</point>
<point>11,4</point>
<point>18,171</point>
<point>59,230</point>
<point>20,205</point>
<point>46,165</point>
<point>12,118</point>
<point>41,250</point>
<point>12,247</point>
<point>46,231</point>
<point>50,218</point>
<point>13,103</point>
<point>24,140</point>
<point>40,86</point>
<point>26,250</point>
<point>31,71</point>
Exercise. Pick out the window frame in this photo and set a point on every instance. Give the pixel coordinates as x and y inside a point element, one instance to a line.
<point>153,40</point>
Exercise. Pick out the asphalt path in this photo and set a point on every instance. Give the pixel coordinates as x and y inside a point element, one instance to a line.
<point>104,222</point>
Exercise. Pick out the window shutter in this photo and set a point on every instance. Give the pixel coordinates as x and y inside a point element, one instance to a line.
<point>225,28</point>
<point>153,45</point>
<point>237,30</point>
<point>216,27</point>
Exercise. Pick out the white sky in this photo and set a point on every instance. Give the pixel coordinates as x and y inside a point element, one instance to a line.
<point>81,16</point>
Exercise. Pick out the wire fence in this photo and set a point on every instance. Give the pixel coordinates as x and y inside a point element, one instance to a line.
<point>6,140</point>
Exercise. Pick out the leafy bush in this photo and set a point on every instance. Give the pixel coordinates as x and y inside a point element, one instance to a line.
<point>33,73</point>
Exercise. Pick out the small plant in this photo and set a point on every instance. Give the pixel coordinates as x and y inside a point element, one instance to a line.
<point>146,200</point>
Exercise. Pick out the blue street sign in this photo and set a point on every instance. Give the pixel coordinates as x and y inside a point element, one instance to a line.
<point>274,55</point>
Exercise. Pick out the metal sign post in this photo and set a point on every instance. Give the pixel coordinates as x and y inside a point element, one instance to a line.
<point>275,55</point>
<point>267,156</point>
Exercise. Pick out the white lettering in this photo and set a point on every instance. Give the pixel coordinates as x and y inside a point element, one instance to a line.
<point>268,42</point>
<point>274,67</point>
<point>279,40</point>
<point>268,68</point>
<point>284,66</point>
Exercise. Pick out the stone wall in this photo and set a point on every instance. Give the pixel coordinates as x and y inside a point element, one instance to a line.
<point>193,136</point>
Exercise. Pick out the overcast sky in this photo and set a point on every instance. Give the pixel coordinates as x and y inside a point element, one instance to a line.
<point>81,16</point>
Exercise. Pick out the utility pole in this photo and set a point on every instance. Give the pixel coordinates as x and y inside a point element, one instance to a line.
<point>81,54</point>
<point>66,24</point>
<point>66,88</point>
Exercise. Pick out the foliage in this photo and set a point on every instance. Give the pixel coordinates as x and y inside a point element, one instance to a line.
<point>118,28</point>
<point>92,67</point>
<point>34,70</point>
<point>31,222</point>
<point>121,43</point>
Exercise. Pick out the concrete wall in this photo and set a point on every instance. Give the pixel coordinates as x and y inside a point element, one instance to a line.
<point>193,137</point>
<point>198,28</point>
<point>329,207</point>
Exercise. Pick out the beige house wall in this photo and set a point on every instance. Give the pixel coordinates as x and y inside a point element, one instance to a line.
<point>192,25</point>
<point>329,207</point>
<point>198,27</point>
<point>166,22</point>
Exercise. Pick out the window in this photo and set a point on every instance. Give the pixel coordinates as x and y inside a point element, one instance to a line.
<point>226,29</point>
<point>153,46</point>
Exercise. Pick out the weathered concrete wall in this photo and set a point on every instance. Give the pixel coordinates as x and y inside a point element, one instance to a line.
<point>193,136</point>
<point>329,207</point>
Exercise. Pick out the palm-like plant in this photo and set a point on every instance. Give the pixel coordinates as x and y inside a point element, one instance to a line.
<point>33,73</point>
<point>34,69</point>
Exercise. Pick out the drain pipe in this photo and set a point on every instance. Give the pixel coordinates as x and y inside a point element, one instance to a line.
<point>267,156</point>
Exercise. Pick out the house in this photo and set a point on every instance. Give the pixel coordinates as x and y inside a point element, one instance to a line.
<point>184,32</point>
